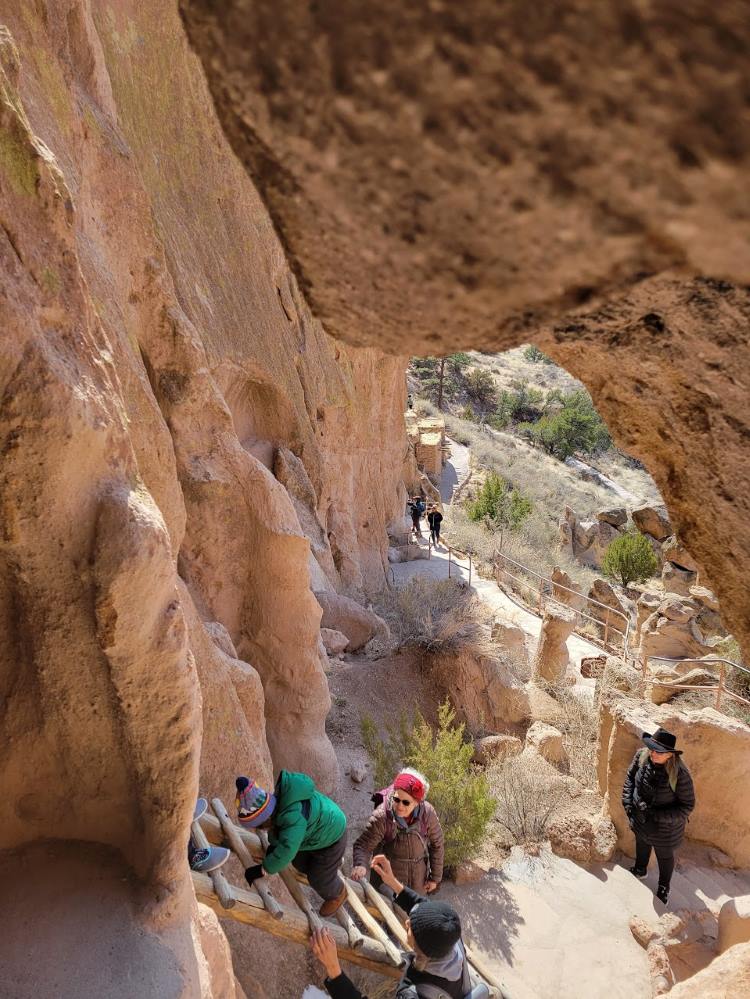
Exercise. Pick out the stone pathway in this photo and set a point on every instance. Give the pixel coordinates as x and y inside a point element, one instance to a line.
<point>455,470</point>
<point>551,927</point>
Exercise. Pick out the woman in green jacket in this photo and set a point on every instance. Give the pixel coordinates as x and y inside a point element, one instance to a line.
<point>306,829</point>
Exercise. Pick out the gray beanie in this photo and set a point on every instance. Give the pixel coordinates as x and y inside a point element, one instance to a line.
<point>436,927</point>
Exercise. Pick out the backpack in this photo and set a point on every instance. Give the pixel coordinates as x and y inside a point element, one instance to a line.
<point>389,833</point>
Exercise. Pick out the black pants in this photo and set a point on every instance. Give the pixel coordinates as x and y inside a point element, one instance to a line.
<point>415,526</point>
<point>435,534</point>
<point>664,858</point>
<point>322,868</point>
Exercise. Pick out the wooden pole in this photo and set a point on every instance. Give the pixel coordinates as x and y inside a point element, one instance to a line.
<point>249,909</point>
<point>356,939</point>
<point>235,841</point>
<point>387,914</point>
<point>372,926</point>
<point>478,964</point>
<point>301,900</point>
<point>220,883</point>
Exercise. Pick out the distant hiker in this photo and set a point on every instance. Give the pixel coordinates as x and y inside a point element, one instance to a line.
<point>434,519</point>
<point>658,797</point>
<point>306,829</point>
<point>410,401</point>
<point>405,828</point>
<point>438,968</point>
<point>416,508</point>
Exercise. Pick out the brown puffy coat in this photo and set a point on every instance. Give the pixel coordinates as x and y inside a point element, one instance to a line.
<point>415,859</point>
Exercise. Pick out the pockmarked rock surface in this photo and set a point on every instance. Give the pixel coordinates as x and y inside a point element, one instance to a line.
<point>184,447</point>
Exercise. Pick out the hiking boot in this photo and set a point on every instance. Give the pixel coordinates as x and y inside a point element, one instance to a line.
<point>638,872</point>
<point>209,860</point>
<point>662,893</point>
<point>332,905</point>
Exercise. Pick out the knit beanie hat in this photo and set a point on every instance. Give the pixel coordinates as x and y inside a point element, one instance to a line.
<point>436,927</point>
<point>413,782</point>
<point>254,805</point>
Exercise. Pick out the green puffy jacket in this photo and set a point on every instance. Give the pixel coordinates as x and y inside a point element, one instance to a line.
<point>291,831</point>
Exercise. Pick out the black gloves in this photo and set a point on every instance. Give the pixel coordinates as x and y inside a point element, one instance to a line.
<point>253,873</point>
<point>641,805</point>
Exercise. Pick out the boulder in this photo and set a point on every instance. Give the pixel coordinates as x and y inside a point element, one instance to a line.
<point>617,517</point>
<point>585,838</point>
<point>705,597</point>
<point>726,977</point>
<point>552,656</point>
<point>652,521</point>
<point>334,642</point>
<point>216,965</point>
<point>673,551</point>
<point>565,590</point>
<point>343,614</point>
<point>495,747</point>
<point>585,540</point>
<point>488,692</point>
<point>510,638</point>
<point>677,580</point>
<point>734,923</point>
<point>678,610</point>
<point>646,605</point>
<point>602,592</point>
<point>547,741</point>
<point>395,556</point>
<point>673,639</point>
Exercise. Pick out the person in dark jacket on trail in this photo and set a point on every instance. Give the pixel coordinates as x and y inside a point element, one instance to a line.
<point>416,508</point>
<point>434,519</point>
<point>306,829</point>
<point>405,827</point>
<point>658,797</point>
<point>437,968</point>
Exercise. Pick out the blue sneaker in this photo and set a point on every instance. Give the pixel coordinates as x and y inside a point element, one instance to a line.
<point>201,806</point>
<point>210,859</point>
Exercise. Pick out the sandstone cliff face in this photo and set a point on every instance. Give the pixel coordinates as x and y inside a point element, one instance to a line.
<point>182,447</point>
<point>485,175</point>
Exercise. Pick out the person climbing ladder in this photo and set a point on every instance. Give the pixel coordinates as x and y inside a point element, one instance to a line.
<point>306,829</point>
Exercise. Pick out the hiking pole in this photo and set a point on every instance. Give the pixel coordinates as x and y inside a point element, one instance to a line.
<point>220,883</point>
<point>235,841</point>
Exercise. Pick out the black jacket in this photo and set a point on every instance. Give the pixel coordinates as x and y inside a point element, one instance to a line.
<point>343,988</point>
<point>434,519</point>
<point>657,814</point>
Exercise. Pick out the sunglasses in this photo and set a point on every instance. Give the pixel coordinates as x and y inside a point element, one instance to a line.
<point>400,801</point>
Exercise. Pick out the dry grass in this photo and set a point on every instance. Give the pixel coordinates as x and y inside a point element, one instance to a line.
<point>579,726</point>
<point>526,799</point>
<point>438,615</point>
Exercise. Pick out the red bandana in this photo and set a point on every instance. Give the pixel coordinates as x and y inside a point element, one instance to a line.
<point>411,784</point>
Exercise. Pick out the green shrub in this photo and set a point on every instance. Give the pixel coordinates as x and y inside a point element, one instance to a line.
<point>467,413</point>
<point>535,355</point>
<point>524,401</point>
<point>629,559</point>
<point>459,794</point>
<point>575,427</point>
<point>498,504</point>
<point>480,385</point>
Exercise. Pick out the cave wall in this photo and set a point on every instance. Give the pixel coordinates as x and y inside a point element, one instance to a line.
<point>182,445</point>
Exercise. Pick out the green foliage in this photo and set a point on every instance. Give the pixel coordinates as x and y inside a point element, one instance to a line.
<point>536,356</point>
<point>629,559</point>
<point>575,427</point>
<point>498,505</point>
<point>457,362</point>
<point>524,402</point>
<point>387,754</point>
<point>460,795</point>
<point>467,413</point>
<point>480,385</point>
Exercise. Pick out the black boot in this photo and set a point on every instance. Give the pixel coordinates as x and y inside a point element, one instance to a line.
<point>638,872</point>
<point>662,893</point>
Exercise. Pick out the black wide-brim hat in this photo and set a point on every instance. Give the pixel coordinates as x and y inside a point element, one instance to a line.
<point>661,741</point>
